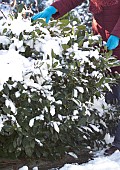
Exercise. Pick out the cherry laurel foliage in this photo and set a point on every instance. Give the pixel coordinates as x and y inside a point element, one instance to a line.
<point>57,116</point>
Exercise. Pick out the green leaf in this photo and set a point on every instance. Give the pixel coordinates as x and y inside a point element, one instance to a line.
<point>53,54</point>
<point>80,43</point>
<point>4,30</point>
<point>20,86</point>
<point>19,140</point>
<point>6,109</point>
<point>55,64</point>
<point>28,51</point>
<point>98,84</point>
<point>63,23</point>
<point>11,148</point>
<point>63,70</point>
<point>20,36</point>
<point>14,144</point>
<point>67,29</point>
<point>28,151</point>
<point>6,89</point>
<point>81,27</point>
<point>32,144</point>
<point>83,121</point>
<point>10,82</point>
<point>65,46</point>
<point>20,7</point>
<point>38,31</point>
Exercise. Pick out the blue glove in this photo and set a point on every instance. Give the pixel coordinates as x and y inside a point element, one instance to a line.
<point>112,42</point>
<point>46,13</point>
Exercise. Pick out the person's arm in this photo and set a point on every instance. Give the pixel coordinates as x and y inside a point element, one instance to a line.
<point>114,39</point>
<point>64,6</point>
<point>57,9</point>
<point>116,29</point>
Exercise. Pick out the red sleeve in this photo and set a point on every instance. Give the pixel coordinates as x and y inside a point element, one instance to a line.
<point>116,29</point>
<point>64,6</point>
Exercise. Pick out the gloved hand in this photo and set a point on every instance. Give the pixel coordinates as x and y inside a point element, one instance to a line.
<point>112,42</point>
<point>46,13</point>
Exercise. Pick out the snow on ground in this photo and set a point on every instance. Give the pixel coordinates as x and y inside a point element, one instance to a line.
<point>99,163</point>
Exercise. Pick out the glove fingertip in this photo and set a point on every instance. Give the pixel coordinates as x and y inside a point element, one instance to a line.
<point>47,20</point>
<point>33,18</point>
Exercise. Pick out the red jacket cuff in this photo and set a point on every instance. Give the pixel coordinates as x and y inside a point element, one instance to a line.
<point>64,6</point>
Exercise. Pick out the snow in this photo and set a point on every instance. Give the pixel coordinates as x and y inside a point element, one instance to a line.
<point>101,163</point>
<point>14,65</point>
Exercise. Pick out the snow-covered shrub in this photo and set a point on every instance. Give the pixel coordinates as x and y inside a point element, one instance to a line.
<point>83,14</point>
<point>52,110</point>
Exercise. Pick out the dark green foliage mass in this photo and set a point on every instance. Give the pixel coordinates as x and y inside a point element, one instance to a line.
<point>57,116</point>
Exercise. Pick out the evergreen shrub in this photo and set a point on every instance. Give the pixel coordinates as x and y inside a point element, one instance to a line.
<point>54,113</point>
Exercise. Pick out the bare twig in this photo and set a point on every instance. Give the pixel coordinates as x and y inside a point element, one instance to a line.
<point>3,14</point>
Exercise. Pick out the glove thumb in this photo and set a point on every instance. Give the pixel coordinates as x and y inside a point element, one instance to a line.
<point>47,19</point>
